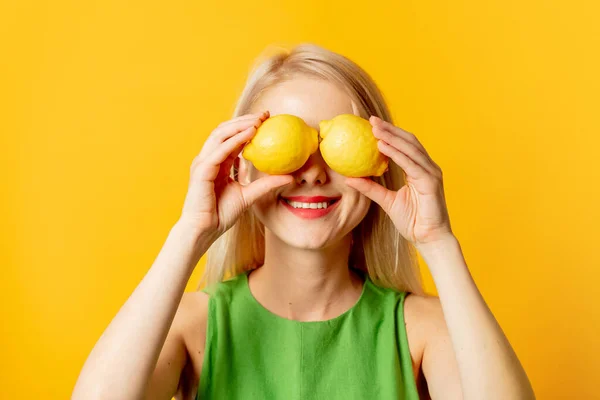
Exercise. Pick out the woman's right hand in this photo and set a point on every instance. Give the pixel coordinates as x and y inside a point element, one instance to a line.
<point>214,201</point>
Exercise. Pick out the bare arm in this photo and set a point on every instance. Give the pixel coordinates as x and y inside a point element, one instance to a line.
<point>177,372</point>
<point>485,361</point>
<point>122,361</point>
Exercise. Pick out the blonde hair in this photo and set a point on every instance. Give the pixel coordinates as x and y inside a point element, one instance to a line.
<point>378,248</point>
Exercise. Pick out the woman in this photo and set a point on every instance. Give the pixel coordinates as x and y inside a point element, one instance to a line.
<point>312,308</point>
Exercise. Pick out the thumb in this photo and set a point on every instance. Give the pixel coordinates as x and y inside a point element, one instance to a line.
<point>373,190</point>
<point>261,186</point>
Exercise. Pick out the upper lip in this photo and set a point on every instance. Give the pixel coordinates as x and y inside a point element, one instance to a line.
<point>310,199</point>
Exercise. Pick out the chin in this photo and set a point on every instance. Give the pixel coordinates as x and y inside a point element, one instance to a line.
<point>305,240</point>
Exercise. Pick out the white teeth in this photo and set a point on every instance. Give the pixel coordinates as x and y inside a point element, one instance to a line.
<point>297,204</point>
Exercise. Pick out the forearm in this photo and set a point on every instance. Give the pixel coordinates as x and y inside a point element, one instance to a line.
<point>122,361</point>
<point>488,365</point>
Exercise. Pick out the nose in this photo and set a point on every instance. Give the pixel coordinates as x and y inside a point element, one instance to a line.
<point>313,172</point>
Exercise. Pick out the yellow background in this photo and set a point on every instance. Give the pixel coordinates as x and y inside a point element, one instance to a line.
<point>105,104</point>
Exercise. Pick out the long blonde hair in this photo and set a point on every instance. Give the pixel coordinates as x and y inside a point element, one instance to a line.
<point>378,248</point>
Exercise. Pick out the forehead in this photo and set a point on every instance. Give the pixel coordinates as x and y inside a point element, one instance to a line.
<point>311,99</point>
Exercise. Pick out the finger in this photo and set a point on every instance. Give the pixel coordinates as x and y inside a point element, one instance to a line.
<point>236,152</point>
<point>373,190</point>
<point>378,122</point>
<point>261,186</point>
<point>263,115</point>
<point>226,149</point>
<point>212,164</point>
<point>405,162</point>
<point>225,132</point>
<point>404,146</point>
<point>228,163</point>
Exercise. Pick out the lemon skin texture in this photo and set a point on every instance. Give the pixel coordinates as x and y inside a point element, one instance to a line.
<point>349,147</point>
<point>281,145</point>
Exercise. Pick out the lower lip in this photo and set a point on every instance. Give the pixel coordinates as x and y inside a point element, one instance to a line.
<point>310,213</point>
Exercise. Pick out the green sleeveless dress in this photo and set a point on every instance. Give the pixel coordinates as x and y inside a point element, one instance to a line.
<point>252,353</point>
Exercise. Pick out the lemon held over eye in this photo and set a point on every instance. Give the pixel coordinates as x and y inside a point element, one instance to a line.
<point>349,147</point>
<point>281,145</point>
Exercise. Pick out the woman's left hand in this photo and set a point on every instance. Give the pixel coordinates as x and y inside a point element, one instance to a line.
<point>418,209</point>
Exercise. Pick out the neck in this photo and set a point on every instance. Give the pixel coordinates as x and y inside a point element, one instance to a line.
<point>306,285</point>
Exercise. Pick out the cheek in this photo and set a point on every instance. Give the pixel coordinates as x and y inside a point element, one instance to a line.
<point>357,207</point>
<point>265,206</point>
<point>364,203</point>
<point>263,203</point>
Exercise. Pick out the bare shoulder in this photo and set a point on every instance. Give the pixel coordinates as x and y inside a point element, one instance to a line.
<point>438,370</point>
<point>421,315</point>
<point>193,310</point>
<point>427,313</point>
<point>424,310</point>
<point>424,319</point>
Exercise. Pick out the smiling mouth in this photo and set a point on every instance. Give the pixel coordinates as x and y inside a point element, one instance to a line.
<point>311,205</point>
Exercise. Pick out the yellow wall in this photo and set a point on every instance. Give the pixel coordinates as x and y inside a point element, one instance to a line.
<point>105,104</point>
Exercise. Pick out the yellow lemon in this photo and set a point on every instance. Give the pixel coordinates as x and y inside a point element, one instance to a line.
<point>281,145</point>
<point>349,147</point>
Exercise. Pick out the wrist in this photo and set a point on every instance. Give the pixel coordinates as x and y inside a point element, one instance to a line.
<point>438,246</point>
<point>441,256</point>
<point>201,238</point>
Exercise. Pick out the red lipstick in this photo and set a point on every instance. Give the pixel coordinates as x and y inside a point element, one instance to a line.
<point>310,213</point>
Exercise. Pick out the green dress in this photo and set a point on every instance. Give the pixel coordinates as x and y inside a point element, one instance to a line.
<point>252,353</point>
